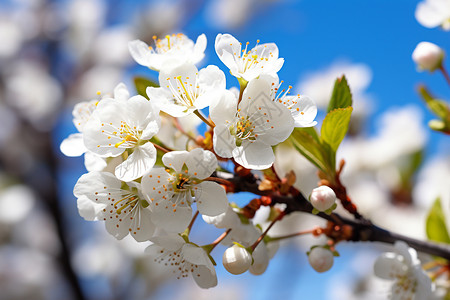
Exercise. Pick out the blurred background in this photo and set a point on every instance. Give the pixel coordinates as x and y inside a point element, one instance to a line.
<point>54,54</point>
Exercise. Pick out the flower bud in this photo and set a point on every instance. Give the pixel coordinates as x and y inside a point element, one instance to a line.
<point>322,198</point>
<point>428,56</point>
<point>236,260</point>
<point>321,259</point>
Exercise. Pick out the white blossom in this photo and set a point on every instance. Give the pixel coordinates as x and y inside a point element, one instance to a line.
<point>433,13</point>
<point>184,89</point>
<point>428,56</point>
<point>183,258</point>
<point>321,259</point>
<point>117,127</point>
<point>244,63</point>
<point>248,130</point>
<point>236,260</point>
<point>403,267</point>
<point>101,196</point>
<point>171,191</point>
<point>173,50</point>
<point>322,198</point>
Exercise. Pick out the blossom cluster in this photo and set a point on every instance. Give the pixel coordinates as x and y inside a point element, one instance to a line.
<point>145,181</point>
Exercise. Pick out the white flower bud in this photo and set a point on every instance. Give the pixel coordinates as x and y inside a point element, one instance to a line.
<point>321,259</point>
<point>428,56</point>
<point>322,198</point>
<point>236,260</point>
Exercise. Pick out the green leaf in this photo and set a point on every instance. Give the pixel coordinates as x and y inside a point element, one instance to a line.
<point>335,126</point>
<point>141,84</point>
<point>341,97</point>
<point>439,108</point>
<point>308,144</point>
<point>435,225</point>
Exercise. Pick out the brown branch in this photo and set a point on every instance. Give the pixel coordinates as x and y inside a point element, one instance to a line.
<point>362,230</point>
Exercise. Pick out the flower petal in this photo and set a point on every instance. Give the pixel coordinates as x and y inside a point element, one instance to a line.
<point>175,160</point>
<point>169,219</point>
<point>211,199</point>
<point>389,266</point>
<point>138,163</point>
<point>140,52</point>
<point>73,145</point>
<point>171,242</point>
<point>256,155</point>
<point>224,143</point>
<point>201,163</point>
<point>204,277</point>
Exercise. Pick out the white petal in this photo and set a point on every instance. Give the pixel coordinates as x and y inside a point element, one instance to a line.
<point>227,219</point>
<point>224,143</point>
<point>199,49</point>
<point>121,92</point>
<point>429,15</point>
<point>211,199</point>
<point>164,216</point>
<point>138,163</point>
<point>93,162</point>
<point>143,225</point>
<point>96,185</point>
<point>304,112</point>
<point>256,156</point>
<point>204,277</point>
<point>389,266</point>
<point>224,110</point>
<point>88,209</point>
<point>73,145</point>
<point>260,260</point>
<point>140,52</point>
<point>171,242</point>
<point>201,163</point>
<point>153,184</point>
<point>175,160</point>
<point>227,47</point>
<point>196,255</point>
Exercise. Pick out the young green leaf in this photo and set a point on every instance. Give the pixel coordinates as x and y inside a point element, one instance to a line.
<point>435,225</point>
<point>308,144</point>
<point>335,126</point>
<point>341,97</point>
<point>141,84</point>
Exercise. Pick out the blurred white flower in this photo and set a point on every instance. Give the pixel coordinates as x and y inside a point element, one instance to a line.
<point>99,78</point>
<point>85,19</point>
<point>229,14</point>
<point>319,85</point>
<point>400,132</point>
<point>35,93</point>
<point>104,53</point>
<point>428,56</point>
<point>321,259</point>
<point>11,37</point>
<point>403,267</point>
<point>16,203</point>
<point>433,13</point>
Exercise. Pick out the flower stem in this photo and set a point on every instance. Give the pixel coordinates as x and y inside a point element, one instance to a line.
<point>188,229</point>
<point>242,85</point>
<point>445,73</point>
<point>255,244</point>
<point>161,148</point>
<point>219,239</point>
<point>218,180</point>
<point>272,239</point>
<point>207,122</point>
